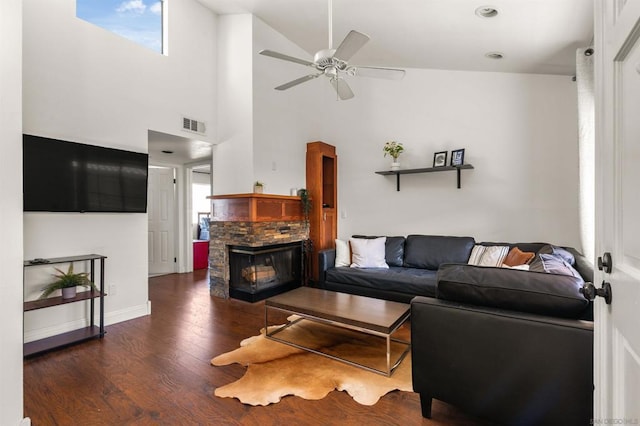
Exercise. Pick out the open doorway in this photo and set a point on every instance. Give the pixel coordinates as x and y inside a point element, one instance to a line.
<point>190,163</point>
<point>201,214</point>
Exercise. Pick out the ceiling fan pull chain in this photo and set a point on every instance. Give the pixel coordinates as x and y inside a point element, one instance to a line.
<point>330,24</point>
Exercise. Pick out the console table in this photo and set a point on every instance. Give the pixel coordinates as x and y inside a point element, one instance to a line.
<point>81,334</point>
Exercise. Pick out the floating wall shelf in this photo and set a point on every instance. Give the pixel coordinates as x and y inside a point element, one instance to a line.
<point>397,173</point>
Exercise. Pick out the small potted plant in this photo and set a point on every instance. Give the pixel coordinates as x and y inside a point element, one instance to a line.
<point>67,282</point>
<point>258,187</point>
<point>394,149</point>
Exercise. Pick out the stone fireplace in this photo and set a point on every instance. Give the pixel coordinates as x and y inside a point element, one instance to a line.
<point>253,223</point>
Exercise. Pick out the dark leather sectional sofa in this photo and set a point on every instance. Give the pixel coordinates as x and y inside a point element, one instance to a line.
<point>511,346</point>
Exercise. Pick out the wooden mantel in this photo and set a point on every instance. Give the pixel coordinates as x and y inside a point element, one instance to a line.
<point>256,208</point>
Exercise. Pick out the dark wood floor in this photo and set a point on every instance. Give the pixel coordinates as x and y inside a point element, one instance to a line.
<point>155,370</point>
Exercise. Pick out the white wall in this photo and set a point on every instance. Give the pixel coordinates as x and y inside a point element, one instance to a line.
<point>11,212</point>
<point>85,84</point>
<point>262,129</point>
<point>283,121</point>
<point>519,132</point>
<point>233,157</point>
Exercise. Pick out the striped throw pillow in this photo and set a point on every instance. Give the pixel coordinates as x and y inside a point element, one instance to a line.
<point>488,255</point>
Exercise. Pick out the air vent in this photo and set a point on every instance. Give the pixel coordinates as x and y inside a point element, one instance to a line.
<point>193,126</point>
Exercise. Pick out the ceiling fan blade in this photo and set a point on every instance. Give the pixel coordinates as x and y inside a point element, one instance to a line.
<point>376,72</point>
<point>350,45</point>
<point>342,88</point>
<point>284,57</point>
<point>297,81</point>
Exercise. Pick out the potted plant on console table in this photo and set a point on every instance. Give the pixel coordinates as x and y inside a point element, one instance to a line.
<point>67,282</point>
<point>394,149</point>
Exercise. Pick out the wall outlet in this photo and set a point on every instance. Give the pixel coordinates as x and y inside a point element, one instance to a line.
<point>113,290</point>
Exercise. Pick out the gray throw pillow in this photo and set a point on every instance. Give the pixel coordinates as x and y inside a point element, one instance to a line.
<point>558,252</point>
<point>552,264</point>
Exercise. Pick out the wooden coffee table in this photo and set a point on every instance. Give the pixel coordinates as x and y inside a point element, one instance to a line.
<point>376,317</point>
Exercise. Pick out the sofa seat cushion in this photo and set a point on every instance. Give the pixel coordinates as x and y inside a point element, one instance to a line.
<point>430,251</point>
<point>419,282</point>
<point>534,292</point>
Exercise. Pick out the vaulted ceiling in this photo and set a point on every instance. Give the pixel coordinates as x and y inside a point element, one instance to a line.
<point>534,36</point>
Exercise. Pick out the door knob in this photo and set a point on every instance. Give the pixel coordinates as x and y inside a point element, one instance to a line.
<point>605,263</point>
<point>591,292</point>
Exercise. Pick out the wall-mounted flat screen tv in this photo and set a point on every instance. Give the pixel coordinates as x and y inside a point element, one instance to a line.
<point>61,176</point>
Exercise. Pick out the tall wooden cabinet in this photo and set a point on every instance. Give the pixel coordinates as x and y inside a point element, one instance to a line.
<point>322,186</point>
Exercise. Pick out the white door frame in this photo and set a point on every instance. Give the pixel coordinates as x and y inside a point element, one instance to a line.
<point>188,180</point>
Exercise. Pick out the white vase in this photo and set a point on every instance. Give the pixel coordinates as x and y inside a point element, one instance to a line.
<point>395,165</point>
<point>257,189</point>
<point>68,292</point>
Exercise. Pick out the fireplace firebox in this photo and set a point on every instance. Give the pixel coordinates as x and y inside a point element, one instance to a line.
<point>256,273</point>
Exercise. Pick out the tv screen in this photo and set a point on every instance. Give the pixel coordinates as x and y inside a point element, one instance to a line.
<point>61,176</point>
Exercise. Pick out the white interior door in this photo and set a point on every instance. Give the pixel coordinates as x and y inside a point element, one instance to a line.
<point>162,225</point>
<point>617,327</point>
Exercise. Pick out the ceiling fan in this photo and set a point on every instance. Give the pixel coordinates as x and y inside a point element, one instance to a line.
<point>333,64</point>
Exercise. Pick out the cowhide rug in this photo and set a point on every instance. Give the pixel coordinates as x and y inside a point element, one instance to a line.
<point>275,369</point>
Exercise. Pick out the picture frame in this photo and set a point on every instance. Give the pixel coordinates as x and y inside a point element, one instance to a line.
<point>457,157</point>
<point>440,159</point>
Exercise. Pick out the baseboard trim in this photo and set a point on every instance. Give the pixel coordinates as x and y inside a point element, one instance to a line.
<point>127,314</point>
<point>110,318</point>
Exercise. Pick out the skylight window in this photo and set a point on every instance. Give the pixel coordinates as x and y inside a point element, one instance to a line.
<point>141,21</point>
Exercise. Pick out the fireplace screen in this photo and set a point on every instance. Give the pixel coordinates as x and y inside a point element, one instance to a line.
<point>265,270</point>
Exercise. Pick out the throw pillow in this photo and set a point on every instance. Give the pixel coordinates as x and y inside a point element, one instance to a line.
<point>553,265</point>
<point>394,249</point>
<point>558,252</point>
<point>343,253</point>
<point>518,257</point>
<point>488,255</point>
<point>368,253</point>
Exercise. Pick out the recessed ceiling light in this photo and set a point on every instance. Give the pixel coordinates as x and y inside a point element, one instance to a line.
<point>486,11</point>
<point>494,55</point>
<point>166,151</point>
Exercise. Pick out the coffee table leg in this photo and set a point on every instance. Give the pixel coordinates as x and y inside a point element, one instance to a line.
<point>388,355</point>
<point>388,337</point>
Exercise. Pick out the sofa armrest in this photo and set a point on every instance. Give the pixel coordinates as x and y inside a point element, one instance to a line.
<point>506,366</point>
<point>326,260</point>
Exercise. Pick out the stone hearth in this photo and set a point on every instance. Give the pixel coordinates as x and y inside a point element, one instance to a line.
<point>252,220</point>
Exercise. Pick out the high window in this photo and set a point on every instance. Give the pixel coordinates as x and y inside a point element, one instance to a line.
<point>142,21</point>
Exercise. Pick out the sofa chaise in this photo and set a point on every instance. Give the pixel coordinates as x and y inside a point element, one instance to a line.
<point>508,345</point>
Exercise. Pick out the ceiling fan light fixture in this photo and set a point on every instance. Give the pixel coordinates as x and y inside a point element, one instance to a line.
<point>487,11</point>
<point>333,63</point>
<point>494,55</point>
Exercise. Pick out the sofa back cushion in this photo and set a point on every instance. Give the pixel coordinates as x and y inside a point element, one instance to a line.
<point>535,292</point>
<point>394,249</point>
<point>430,251</point>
